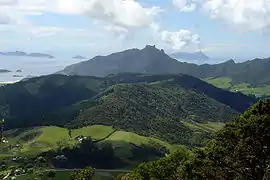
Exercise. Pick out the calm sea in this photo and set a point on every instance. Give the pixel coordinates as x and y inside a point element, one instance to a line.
<point>31,66</point>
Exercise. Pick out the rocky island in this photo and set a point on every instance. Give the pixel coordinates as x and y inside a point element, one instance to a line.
<point>4,71</point>
<point>23,54</point>
<point>79,57</point>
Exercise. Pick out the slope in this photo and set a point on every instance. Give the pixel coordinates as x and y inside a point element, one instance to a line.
<point>148,60</point>
<point>154,61</point>
<point>151,105</point>
<point>154,110</point>
<point>226,83</point>
<point>24,142</point>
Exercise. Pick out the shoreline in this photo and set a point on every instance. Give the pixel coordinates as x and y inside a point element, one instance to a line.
<point>8,82</point>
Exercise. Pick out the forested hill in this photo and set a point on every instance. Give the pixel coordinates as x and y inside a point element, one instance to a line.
<point>154,105</point>
<point>239,151</point>
<point>154,61</point>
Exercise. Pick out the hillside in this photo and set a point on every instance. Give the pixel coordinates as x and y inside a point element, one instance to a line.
<point>253,73</point>
<point>240,150</point>
<point>148,60</point>
<point>155,111</point>
<point>36,140</point>
<point>226,83</point>
<point>150,105</point>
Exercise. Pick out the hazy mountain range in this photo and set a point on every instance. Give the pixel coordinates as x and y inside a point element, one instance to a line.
<point>151,60</point>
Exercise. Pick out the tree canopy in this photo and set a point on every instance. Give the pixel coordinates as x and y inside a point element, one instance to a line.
<point>241,150</point>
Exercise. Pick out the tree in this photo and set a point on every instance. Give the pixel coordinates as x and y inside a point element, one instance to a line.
<point>36,175</point>
<point>1,130</point>
<point>51,174</point>
<point>69,133</point>
<point>84,174</point>
<point>61,144</point>
<point>241,150</point>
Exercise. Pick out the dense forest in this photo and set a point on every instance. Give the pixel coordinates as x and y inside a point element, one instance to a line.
<point>241,150</point>
<point>151,105</point>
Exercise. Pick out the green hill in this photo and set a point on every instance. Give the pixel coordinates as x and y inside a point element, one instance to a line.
<point>32,142</point>
<point>240,150</point>
<point>150,105</point>
<point>150,60</point>
<point>153,110</point>
<point>226,83</point>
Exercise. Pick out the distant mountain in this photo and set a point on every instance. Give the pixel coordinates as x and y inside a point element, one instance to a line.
<point>148,60</point>
<point>79,57</point>
<point>151,60</point>
<point>20,53</point>
<point>4,71</point>
<point>151,105</point>
<point>197,56</point>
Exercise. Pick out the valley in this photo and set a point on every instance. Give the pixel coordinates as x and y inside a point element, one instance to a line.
<point>117,120</point>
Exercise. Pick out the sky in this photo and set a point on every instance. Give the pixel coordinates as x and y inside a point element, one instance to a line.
<point>219,28</point>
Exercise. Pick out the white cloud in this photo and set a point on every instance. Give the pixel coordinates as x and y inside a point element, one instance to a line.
<point>4,19</point>
<point>119,32</point>
<point>123,13</point>
<point>179,39</point>
<point>251,14</point>
<point>247,14</point>
<point>185,5</point>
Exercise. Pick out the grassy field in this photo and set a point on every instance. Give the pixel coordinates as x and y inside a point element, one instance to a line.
<point>206,127</point>
<point>41,139</point>
<point>225,83</point>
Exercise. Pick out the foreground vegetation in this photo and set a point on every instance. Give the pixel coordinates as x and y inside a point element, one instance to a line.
<point>41,139</point>
<point>241,150</point>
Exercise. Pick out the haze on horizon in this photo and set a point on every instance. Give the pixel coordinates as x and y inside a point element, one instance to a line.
<point>229,28</point>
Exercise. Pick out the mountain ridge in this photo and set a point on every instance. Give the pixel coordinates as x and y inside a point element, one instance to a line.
<point>75,101</point>
<point>151,60</point>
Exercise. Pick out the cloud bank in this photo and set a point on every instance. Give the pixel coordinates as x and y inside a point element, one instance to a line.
<point>247,14</point>
<point>122,13</point>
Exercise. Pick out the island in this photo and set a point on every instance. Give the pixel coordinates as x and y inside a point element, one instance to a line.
<point>79,57</point>
<point>17,76</point>
<point>24,54</point>
<point>41,55</point>
<point>4,71</point>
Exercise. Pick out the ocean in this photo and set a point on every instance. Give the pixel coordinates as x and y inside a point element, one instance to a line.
<point>31,66</point>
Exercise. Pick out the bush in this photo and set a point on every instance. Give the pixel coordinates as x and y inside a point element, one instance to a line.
<point>84,174</point>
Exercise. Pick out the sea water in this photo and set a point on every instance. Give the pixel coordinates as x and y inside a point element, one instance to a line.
<point>31,66</point>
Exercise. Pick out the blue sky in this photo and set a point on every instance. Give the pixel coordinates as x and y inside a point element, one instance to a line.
<point>221,29</point>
